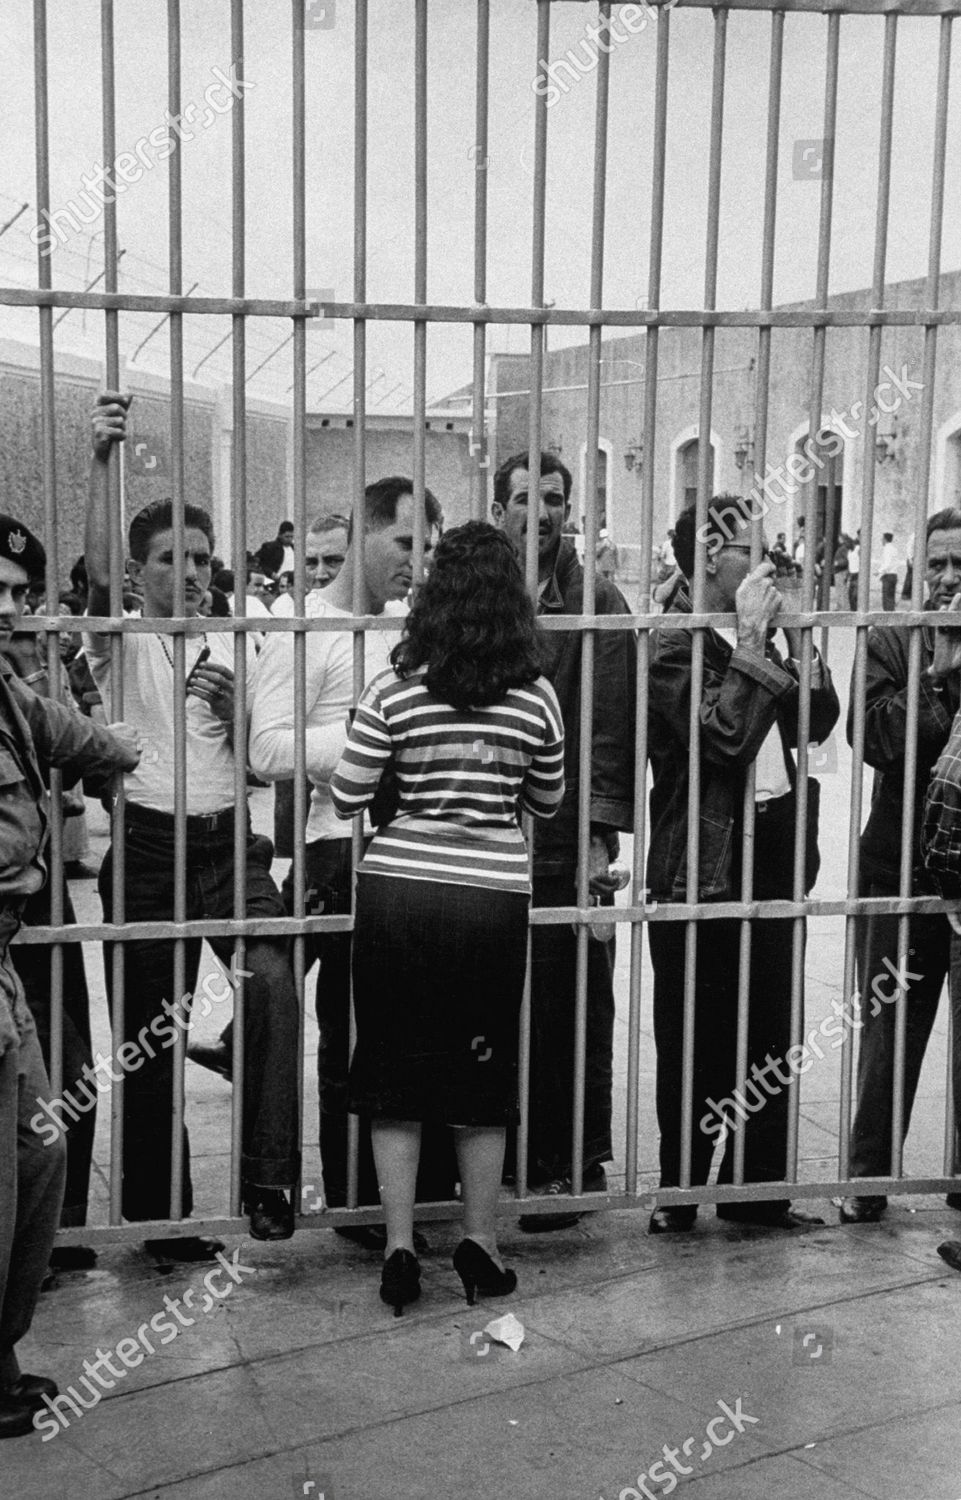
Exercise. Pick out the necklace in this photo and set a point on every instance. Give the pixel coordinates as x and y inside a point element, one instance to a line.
<point>166,648</point>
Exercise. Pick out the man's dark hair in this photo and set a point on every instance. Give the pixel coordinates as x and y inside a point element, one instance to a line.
<point>270,557</point>
<point>948,519</point>
<point>284,526</point>
<point>78,576</point>
<point>472,623</point>
<point>159,516</point>
<point>220,604</point>
<point>382,498</point>
<point>726,514</point>
<point>224,581</point>
<point>550,464</point>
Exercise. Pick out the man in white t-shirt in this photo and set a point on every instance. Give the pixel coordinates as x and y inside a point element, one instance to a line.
<point>385,560</point>
<point>270,1164</point>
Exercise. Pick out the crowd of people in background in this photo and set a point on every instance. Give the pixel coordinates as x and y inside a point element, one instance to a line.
<point>471,717</point>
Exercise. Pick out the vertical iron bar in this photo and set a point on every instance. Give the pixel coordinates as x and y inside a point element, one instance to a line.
<point>479,456</point>
<point>818,357</point>
<point>238,500</point>
<point>697,652</point>
<point>359,510</point>
<point>761,402</point>
<point>299,271</point>
<point>929,377</point>
<point>178,641</point>
<point>48,449</point>
<point>538,208</point>
<point>115,527</point>
<point>420,281</point>
<point>588,639</point>
<point>651,350</point>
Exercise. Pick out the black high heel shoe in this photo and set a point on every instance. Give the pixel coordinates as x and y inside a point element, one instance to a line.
<point>400,1280</point>
<point>477,1271</point>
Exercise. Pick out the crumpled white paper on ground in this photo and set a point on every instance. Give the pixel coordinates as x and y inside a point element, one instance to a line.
<point>506,1330</point>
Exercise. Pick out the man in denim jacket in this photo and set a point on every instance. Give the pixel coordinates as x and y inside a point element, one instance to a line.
<point>554,949</point>
<point>748,717</point>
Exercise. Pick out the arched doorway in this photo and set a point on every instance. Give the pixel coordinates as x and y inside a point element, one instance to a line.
<point>687,460</point>
<point>825,455</point>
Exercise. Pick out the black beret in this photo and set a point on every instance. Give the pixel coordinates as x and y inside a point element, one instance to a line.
<point>19,545</point>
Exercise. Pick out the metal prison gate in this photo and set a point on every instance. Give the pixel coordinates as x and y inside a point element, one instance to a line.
<point>533,32</point>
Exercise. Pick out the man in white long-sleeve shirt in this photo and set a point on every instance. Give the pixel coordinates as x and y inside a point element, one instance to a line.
<point>385,559</point>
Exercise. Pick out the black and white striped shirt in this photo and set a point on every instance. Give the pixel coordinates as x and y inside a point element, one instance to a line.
<point>462,778</point>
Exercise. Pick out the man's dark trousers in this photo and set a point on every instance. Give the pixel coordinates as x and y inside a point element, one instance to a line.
<point>715,1046</point>
<point>271,1156</point>
<point>32,1168</point>
<point>32,962</point>
<point>553,1010</point>
<point>933,956</point>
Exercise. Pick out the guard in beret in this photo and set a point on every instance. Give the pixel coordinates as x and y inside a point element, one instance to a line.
<point>18,545</point>
<point>35,733</point>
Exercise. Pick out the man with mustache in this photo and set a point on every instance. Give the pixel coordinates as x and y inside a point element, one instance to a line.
<point>271,1161</point>
<point>554,949</point>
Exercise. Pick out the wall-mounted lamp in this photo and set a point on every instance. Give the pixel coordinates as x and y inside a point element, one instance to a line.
<point>634,456</point>
<point>743,447</point>
<point>886,444</point>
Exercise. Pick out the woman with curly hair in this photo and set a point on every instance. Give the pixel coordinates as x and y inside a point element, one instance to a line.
<point>473,734</point>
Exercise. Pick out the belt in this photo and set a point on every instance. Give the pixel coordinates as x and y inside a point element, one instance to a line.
<point>151,817</point>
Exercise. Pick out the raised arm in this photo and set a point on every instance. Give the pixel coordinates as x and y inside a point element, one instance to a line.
<point>109,426</point>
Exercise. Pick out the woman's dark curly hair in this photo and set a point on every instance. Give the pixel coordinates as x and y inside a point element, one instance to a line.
<point>472,622</point>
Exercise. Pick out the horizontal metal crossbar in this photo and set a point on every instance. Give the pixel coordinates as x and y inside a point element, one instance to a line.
<point>540,916</point>
<point>423,312</point>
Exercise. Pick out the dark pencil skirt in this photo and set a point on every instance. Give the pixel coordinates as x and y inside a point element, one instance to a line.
<point>438,981</point>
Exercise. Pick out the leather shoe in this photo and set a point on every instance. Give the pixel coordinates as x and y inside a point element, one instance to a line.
<point>950,1251</point>
<point>213,1055</point>
<point>271,1214</point>
<point>72,1258</point>
<point>29,1390</point>
<point>672,1220</point>
<point>594,1181</point>
<point>765,1217</point>
<point>16,1418</point>
<point>172,1252</point>
<point>865,1210</point>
